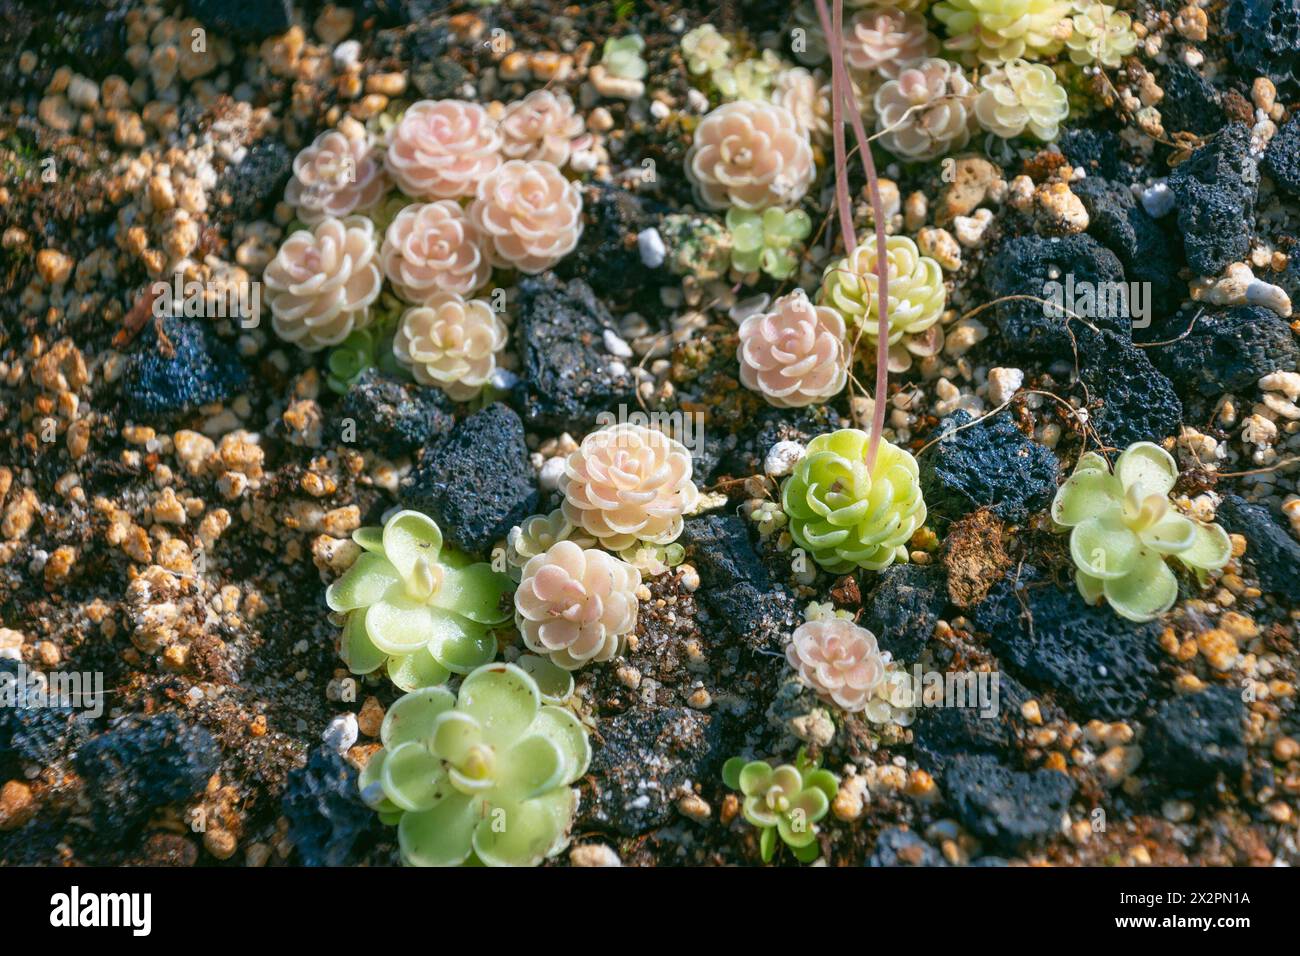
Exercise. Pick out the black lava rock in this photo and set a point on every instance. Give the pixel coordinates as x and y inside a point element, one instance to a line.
<point>645,756</point>
<point>1191,740</point>
<point>1282,158</point>
<point>256,183</point>
<point>991,463</point>
<point>1009,808</point>
<point>565,375</point>
<point>31,730</point>
<point>1096,151</point>
<point>396,417</point>
<point>1266,39</point>
<point>1227,350</point>
<point>607,257</point>
<point>476,482</point>
<point>898,847</point>
<point>944,731</point>
<point>138,767</point>
<point>242,20</point>
<point>1190,103</point>
<point>1138,402</point>
<point>904,608</point>
<point>1215,191</point>
<point>327,820</point>
<point>434,74</point>
<point>1125,228</point>
<point>1029,265</point>
<point>736,586</point>
<point>191,368</point>
<point>1090,657</point>
<point>1269,546</point>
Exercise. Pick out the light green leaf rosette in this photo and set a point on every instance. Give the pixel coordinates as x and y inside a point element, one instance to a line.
<point>422,610</point>
<point>1123,528</point>
<point>846,516</point>
<point>483,777</point>
<point>769,241</point>
<point>785,801</point>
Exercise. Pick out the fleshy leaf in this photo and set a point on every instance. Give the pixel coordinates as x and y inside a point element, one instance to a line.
<point>755,777</point>
<point>1085,495</point>
<point>554,683</point>
<point>767,844</point>
<point>399,624</point>
<point>454,735</point>
<point>1211,549</point>
<point>356,648</point>
<point>365,583</point>
<point>1104,547</point>
<point>410,537</point>
<point>1146,468</point>
<point>458,644</point>
<point>440,836</point>
<point>503,698</point>
<point>474,592</point>
<point>567,733</point>
<point>525,833</point>
<point>1147,591</point>
<point>370,537</point>
<point>412,776</point>
<point>1091,589</point>
<point>534,765</point>
<point>1172,534</point>
<point>411,672</point>
<point>731,772</point>
<point>411,716</point>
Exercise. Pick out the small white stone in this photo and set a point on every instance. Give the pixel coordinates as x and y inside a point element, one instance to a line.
<point>1003,383</point>
<point>1259,292</point>
<point>1158,200</point>
<point>782,458</point>
<point>615,345</point>
<point>341,733</point>
<point>347,53</point>
<point>502,379</point>
<point>651,246</point>
<point>594,854</point>
<point>549,476</point>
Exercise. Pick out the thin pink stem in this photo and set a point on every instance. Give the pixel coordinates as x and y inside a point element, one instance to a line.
<point>842,93</point>
<point>842,200</point>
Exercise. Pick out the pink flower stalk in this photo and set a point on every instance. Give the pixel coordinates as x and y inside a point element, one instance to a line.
<point>833,27</point>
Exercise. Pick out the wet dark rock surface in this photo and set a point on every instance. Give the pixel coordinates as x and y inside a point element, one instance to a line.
<point>904,607</point>
<point>944,733</point>
<point>1193,739</point>
<point>246,21</point>
<point>256,183</point>
<point>1100,664</point>
<point>1121,225</point>
<point>1025,265</point>
<point>1137,402</point>
<point>992,463</point>
<point>1282,158</point>
<point>136,768</point>
<point>567,373</point>
<point>1271,548</point>
<point>1008,808</point>
<point>1266,38</point>
<point>736,587</point>
<point>898,847</point>
<point>1227,350</point>
<point>476,482</point>
<point>396,417</point>
<point>189,367</point>
<point>328,823</point>
<point>1215,191</point>
<point>1190,103</point>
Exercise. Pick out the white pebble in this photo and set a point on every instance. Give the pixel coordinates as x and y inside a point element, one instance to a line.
<point>651,246</point>
<point>1003,383</point>
<point>1158,200</point>
<point>782,458</point>
<point>341,733</point>
<point>549,476</point>
<point>347,53</point>
<point>616,346</point>
<point>502,379</point>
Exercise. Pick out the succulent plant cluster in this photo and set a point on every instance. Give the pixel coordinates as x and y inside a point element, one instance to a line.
<point>416,607</point>
<point>1123,529</point>
<point>481,776</point>
<point>849,516</point>
<point>785,801</point>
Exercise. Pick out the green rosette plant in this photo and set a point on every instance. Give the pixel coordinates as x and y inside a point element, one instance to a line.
<point>1123,528</point>
<point>770,240</point>
<point>785,801</point>
<point>480,777</point>
<point>850,517</point>
<point>423,610</point>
